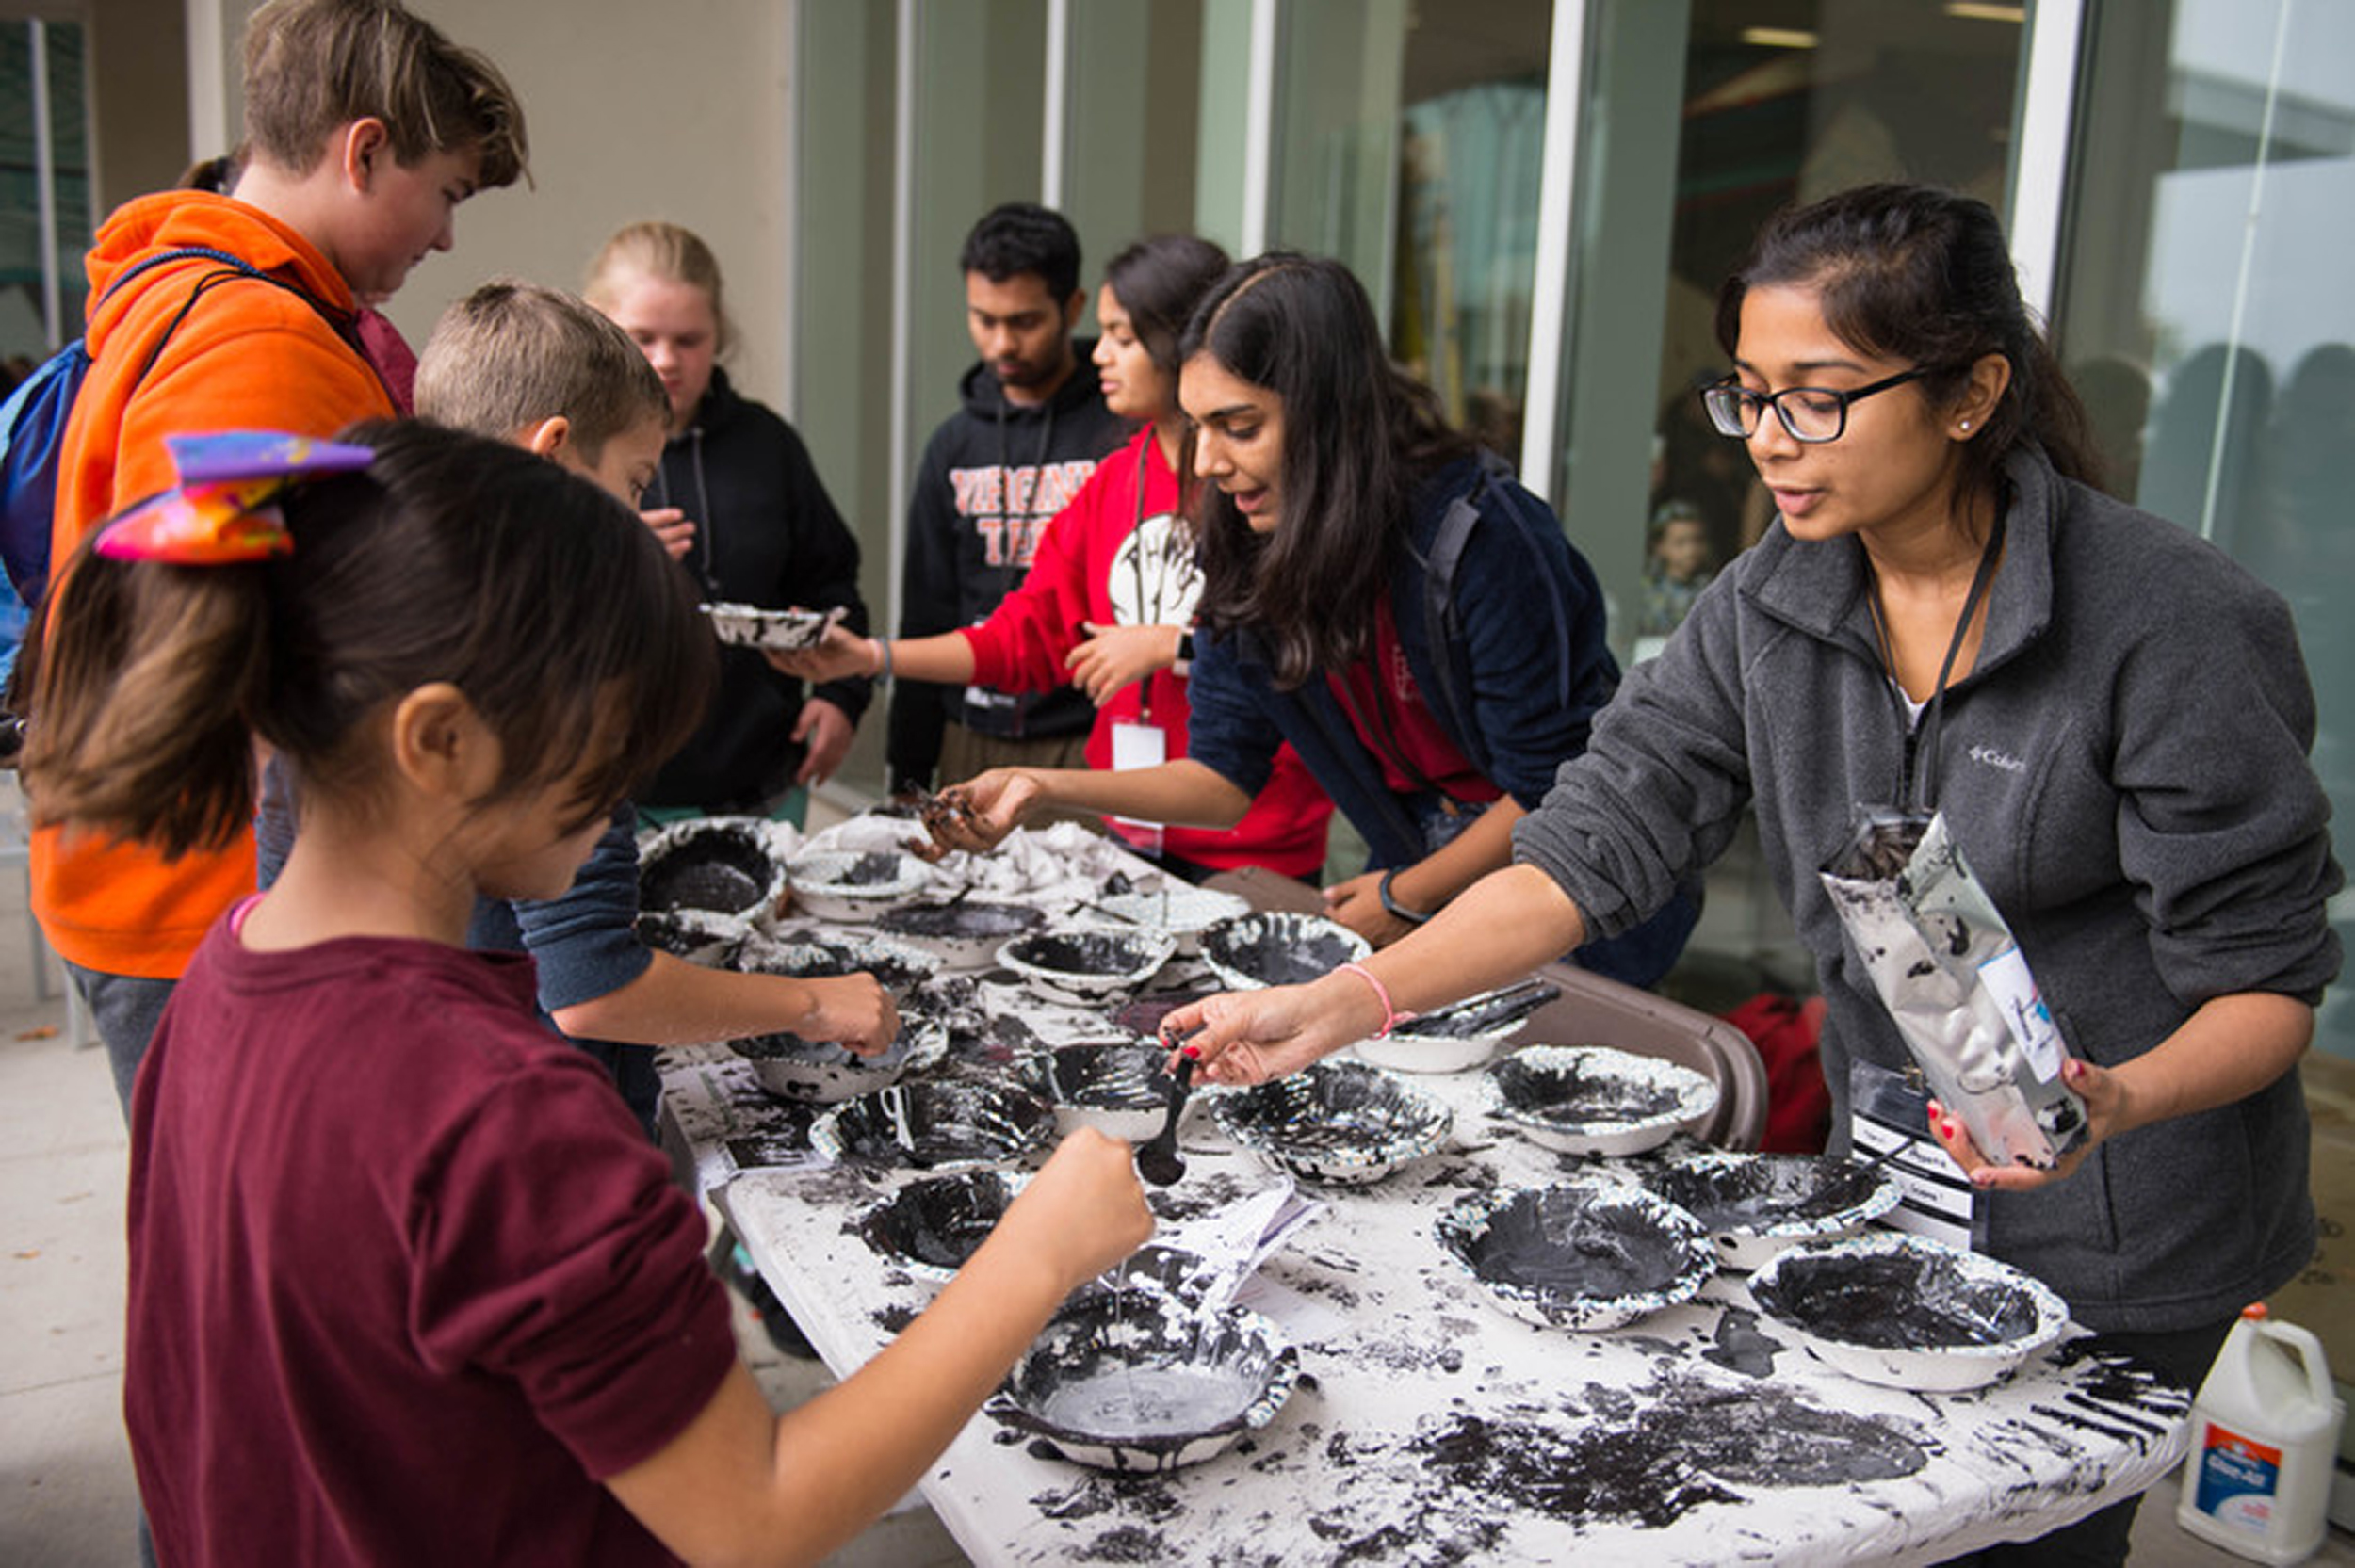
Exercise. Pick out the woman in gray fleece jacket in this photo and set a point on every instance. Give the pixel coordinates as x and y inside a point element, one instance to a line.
<point>2122,757</point>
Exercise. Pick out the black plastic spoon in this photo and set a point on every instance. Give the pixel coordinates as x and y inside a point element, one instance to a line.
<point>1158,1160</point>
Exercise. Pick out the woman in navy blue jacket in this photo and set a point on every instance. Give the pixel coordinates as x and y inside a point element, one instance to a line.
<point>1379,593</point>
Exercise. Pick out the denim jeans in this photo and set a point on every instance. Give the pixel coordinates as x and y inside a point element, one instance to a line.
<point>124,1008</point>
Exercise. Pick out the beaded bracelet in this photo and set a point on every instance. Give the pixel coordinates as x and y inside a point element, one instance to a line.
<point>1391,1017</point>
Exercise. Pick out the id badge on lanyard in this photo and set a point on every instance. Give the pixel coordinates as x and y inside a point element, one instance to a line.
<point>1889,1125</point>
<point>1889,1120</point>
<point>1136,745</point>
<point>1139,742</point>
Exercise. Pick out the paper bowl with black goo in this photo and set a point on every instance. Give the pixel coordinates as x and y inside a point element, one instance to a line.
<point>1277,948</point>
<point>932,1224</point>
<point>1595,1100</point>
<point>1452,1040</point>
<point>1906,1312</point>
<point>724,866</point>
<point>853,886</point>
<point>1139,1380</point>
<point>781,631</point>
<point>1578,1254</point>
<point>1753,1206</point>
<point>1118,1086</point>
<point>1178,908</point>
<point>1091,963</point>
<point>823,1071</point>
<point>1341,1121</point>
<point>937,1125</point>
<point>964,932</point>
<point>699,936</point>
<point>898,967</point>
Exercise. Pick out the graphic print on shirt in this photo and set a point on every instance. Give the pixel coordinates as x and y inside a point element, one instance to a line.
<point>1009,508</point>
<point>1153,580</point>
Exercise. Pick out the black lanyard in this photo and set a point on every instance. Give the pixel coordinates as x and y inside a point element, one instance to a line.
<point>1918,781</point>
<point>1016,568</point>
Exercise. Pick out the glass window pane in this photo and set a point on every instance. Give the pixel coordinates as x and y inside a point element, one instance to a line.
<point>2204,316</point>
<point>24,338</point>
<point>981,124</point>
<point>1733,108</point>
<point>1700,119</point>
<point>1411,143</point>
<point>1135,104</point>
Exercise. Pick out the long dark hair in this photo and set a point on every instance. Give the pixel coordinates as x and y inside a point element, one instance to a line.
<point>1159,280</point>
<point>449,559</point>
<point>1360,436</point>
<point>1911,272</point>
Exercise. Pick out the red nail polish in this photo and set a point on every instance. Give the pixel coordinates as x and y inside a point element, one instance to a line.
<point>1195,1051</point>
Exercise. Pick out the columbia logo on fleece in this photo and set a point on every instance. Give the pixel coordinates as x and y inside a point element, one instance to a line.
<point>1991,757</point>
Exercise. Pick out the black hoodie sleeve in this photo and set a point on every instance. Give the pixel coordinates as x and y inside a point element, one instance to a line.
<point>928,605</point>
<point>824,569</point>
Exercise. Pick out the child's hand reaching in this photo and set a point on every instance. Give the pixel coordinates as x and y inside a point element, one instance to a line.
<point>855,1013</point>
<point>977,816</point>
<point>671,528</point>
<point>1112,656</point>
<point>1083,1212</point>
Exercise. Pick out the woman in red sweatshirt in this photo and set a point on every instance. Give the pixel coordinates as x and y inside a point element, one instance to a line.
<point>1110,598</point>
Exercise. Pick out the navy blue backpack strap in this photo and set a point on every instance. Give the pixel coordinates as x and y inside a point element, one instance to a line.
<point>1441,624</point>
<point>32,435</point>
<point>33,420</point>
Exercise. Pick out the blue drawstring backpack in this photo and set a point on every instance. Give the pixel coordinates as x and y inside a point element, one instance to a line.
<point>32,437</point>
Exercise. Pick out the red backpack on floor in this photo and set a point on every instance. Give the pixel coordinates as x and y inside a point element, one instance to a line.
<point>1799,1106</point>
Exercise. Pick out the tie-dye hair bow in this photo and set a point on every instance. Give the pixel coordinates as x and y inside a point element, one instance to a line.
<point>225,507</point>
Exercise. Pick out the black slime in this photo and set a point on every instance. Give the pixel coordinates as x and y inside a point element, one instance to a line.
<point>1081,953</point>
<point>1342,1107</point>
<point>1895,1301</point>
<point>941,1220</point>
<point>974,920</point>
<point>1277,957</point>
<point>1577,1096</point>
<point>1564,1244</point>
<point>1763,1191</point>
<point>722,873</point>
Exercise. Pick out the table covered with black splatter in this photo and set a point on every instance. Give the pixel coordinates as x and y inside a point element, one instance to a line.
<point>1430,1427</point>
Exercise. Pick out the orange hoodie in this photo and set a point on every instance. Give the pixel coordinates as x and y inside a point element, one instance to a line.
<point>247,356</point>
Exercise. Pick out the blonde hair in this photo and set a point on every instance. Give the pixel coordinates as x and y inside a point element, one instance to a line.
<point>659,249</point>
<point>513,353</point>
<point>314,66</point>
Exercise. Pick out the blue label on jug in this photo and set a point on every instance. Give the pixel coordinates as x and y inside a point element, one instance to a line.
<point>2238,1480</point>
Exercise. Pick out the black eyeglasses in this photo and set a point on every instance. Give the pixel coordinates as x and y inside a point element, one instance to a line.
<point>1811,413</point>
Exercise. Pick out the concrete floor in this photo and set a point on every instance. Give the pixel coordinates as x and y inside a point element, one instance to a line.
<point>66,1493</point>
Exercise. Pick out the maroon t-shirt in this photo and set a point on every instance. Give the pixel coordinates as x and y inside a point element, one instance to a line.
<point>406,1279</point>
<point>1387,710</point>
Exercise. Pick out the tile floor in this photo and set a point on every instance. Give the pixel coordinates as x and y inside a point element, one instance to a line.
<point>66,1494</point>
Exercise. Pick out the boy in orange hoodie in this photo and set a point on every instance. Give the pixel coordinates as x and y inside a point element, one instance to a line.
<point>366,129</point>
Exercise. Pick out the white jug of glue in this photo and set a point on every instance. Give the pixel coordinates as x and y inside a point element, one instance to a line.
<point>2264,1431</point>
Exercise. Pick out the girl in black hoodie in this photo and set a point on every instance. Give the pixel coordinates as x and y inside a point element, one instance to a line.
<point>754,525</point>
